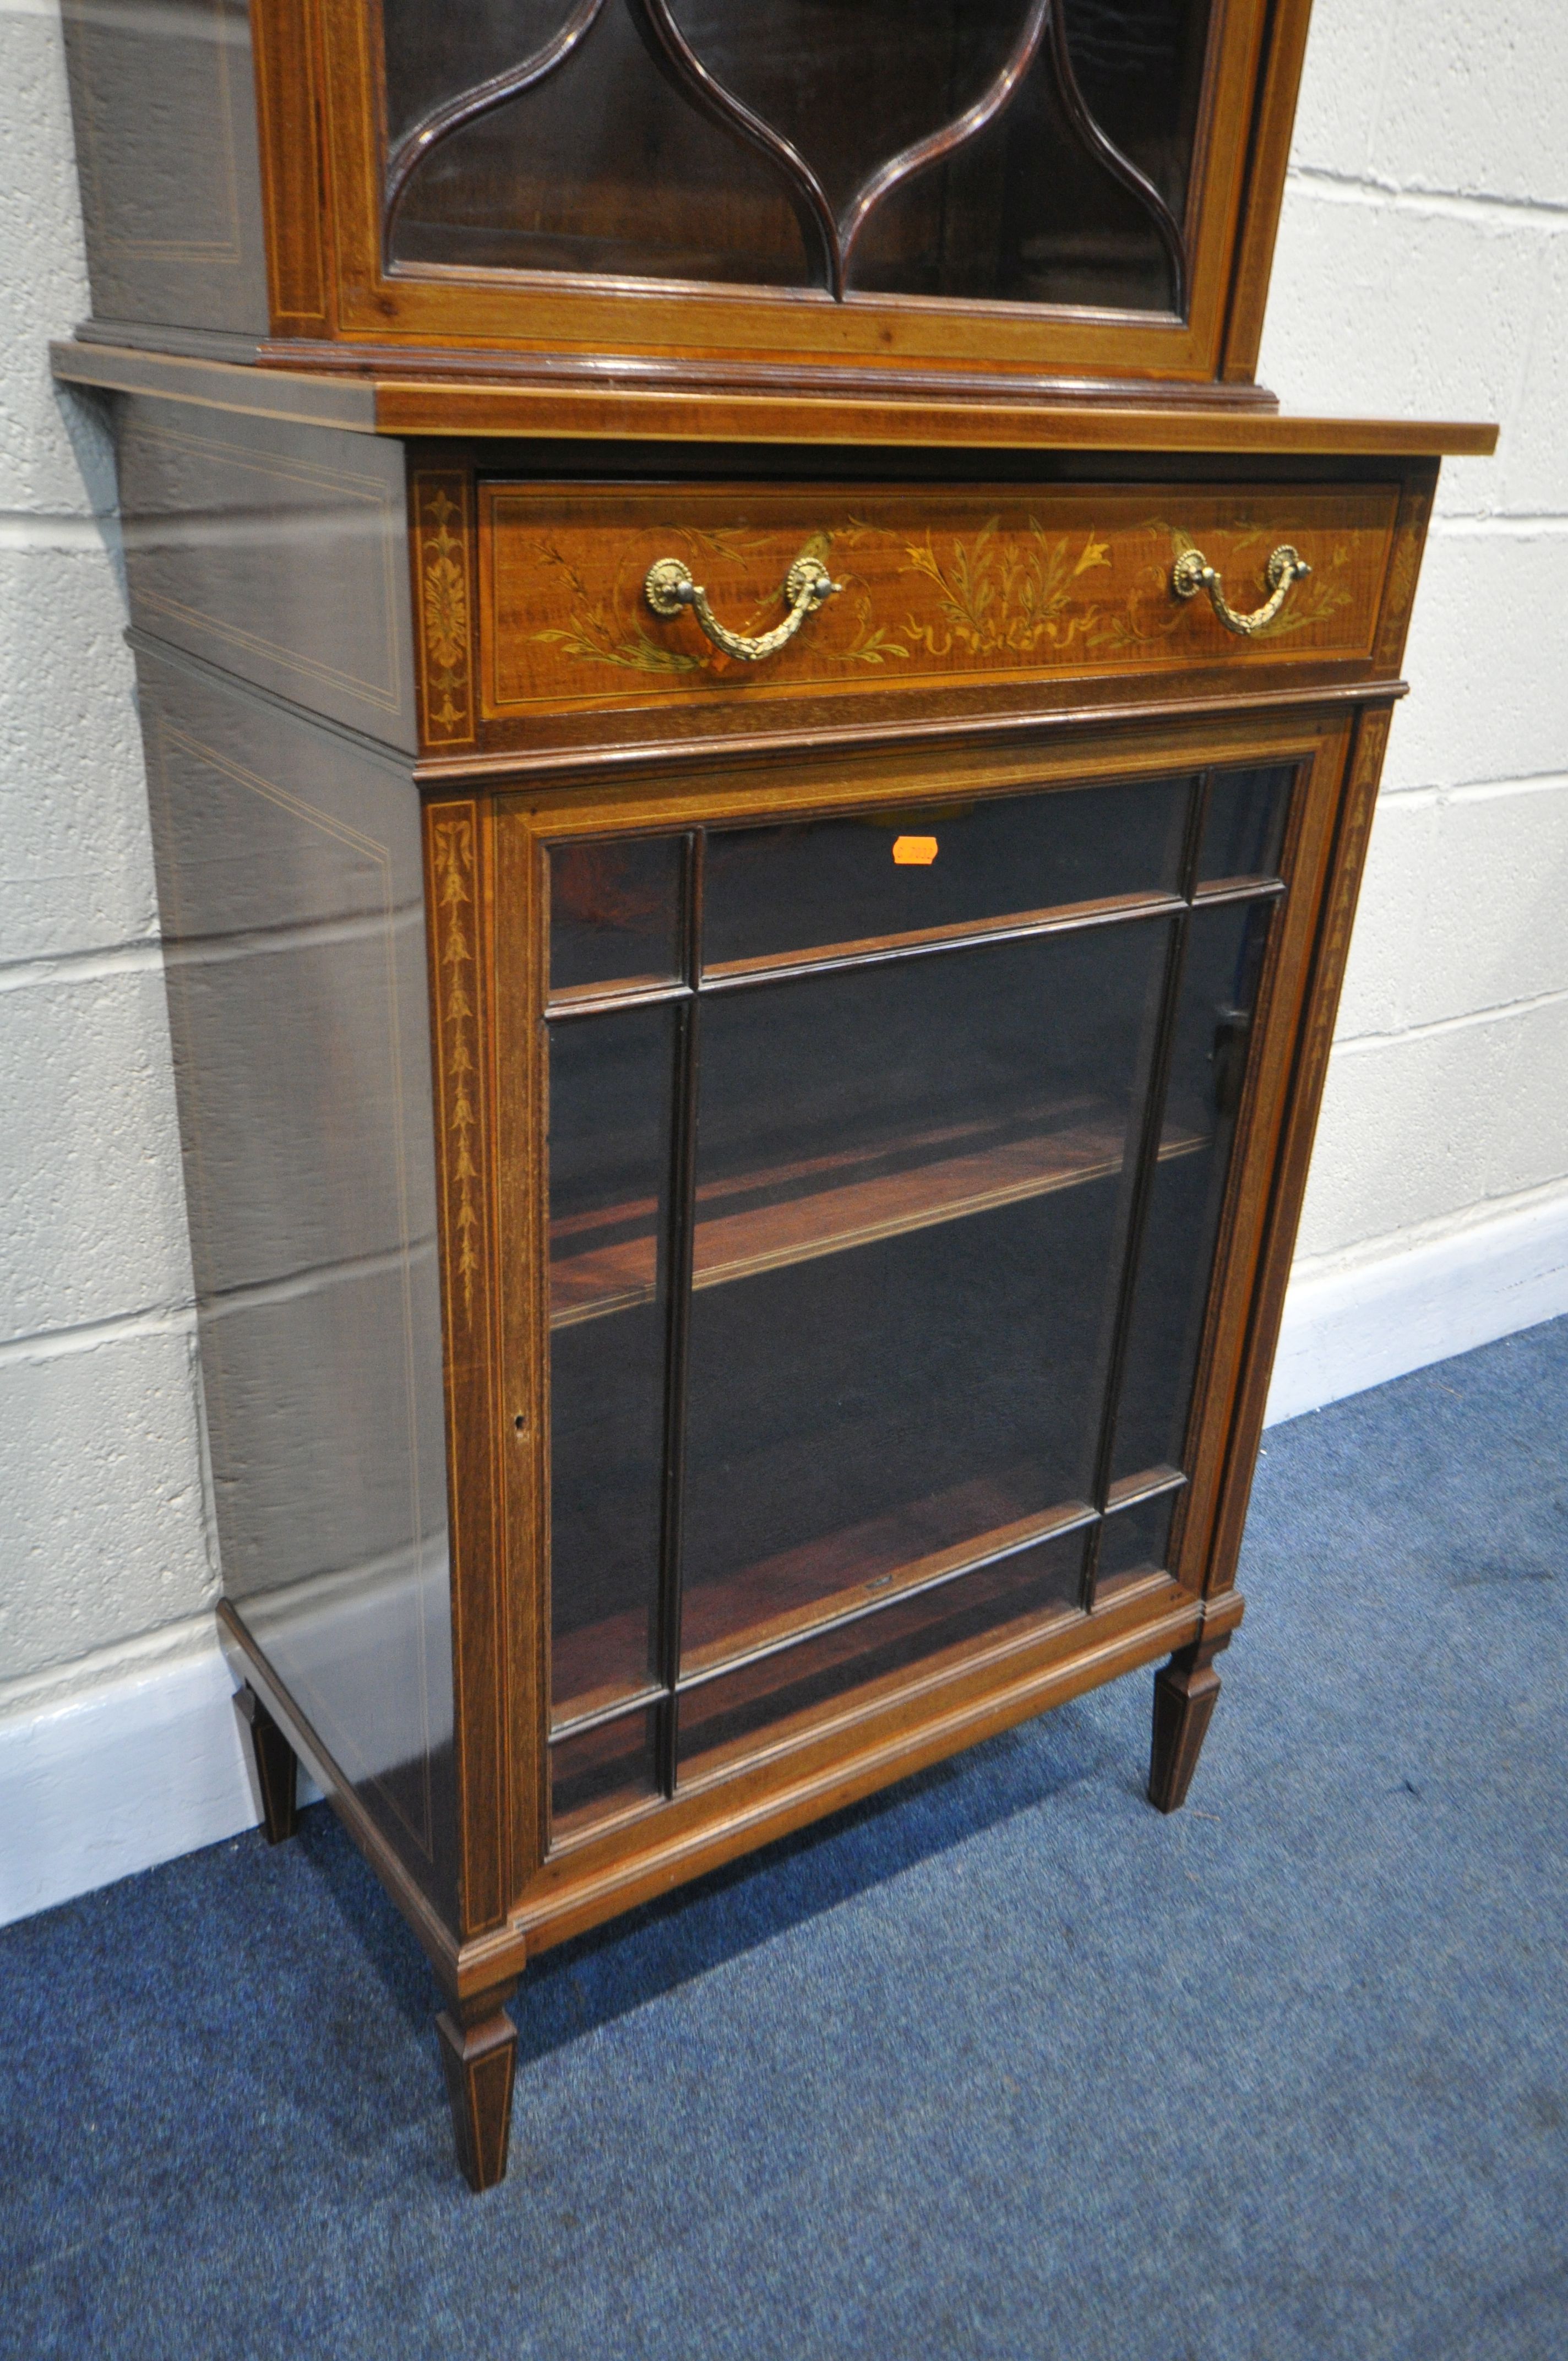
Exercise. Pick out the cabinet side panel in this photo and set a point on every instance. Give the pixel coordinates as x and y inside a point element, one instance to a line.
<point>164,105</point>
<point>276,550</point>
<point>291,887</point>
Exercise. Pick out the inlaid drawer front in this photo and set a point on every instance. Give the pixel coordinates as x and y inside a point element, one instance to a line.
<point>625,596</point>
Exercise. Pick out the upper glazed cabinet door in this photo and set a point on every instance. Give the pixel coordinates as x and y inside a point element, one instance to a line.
<point>1028,183</point>
<point>1008,153</point>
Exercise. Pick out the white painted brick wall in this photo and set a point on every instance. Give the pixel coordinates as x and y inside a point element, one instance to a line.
<point>1423,268</point>
<point>103,1531</point>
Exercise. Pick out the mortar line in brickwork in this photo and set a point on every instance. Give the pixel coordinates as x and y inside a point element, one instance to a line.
<point>1359,189</point>
<point>1476,791</point>
<point>144,958</point>
<point>1502,526</point>
<point>59,532</point>
<point>1386,1246</point>
<point>86,1336</point>
<point>1354,1043</point>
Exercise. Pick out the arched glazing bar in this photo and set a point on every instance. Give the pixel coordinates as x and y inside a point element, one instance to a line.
<point>829,239</point>
<point>1120,167</point>
<point>467,108</point>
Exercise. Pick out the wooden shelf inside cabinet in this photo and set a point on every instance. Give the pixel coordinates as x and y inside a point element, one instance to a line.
<point>606,1261</point>
<point>844,1579</point>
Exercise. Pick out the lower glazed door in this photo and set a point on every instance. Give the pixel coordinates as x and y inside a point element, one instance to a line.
<point>886,1158</point>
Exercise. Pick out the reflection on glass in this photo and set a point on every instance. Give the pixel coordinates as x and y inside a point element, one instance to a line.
<point>611,1081</point>
<point>1225,945</point>
<point>605,166</point>
<point>1023,214</point>
<point>1008,1598</point>
<point>602,1771</point>
<point>1244,826</point>
<point>908,1179</point>
<point>1139,64</point>
<point>771,891</point>
<point>615,913</point>
<point>1133,1545</point>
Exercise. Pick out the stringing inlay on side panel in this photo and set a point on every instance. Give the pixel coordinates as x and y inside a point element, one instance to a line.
<point>293,919</point>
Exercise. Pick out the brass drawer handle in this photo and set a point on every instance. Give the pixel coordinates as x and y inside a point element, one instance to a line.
<point>1194,573</point>
<point>807,586</point>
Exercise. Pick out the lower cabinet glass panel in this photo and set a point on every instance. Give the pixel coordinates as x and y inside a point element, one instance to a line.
<point>611,1081</point>
<point>944,1217</point>
<point>908,1180</point>
<point>1134,1544</point>
<point>598,1771</point>
<point>1222,963</point>
<point>1031,1588</point>
<point>772,890</point>
<point>614,913</point>
<point>1244,824</point>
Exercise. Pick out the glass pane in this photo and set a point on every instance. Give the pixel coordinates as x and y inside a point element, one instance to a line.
<point>605,165</point>
<point>615,913</point>
<point>610,1083</point>
<point>1244,826</point>
<point>1139,65</point>
<point>432,55</point>
<point>602,1771</point>
<point>1032,1587</point>
<point>1219,989</point>
<point>1024,214</point>
<point>769,891</point>
<point>1133,1544</point>
<point>908,1182</point>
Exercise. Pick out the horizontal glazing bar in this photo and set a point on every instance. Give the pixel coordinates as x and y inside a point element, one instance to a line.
<point>597,1002</point>
<point>1149,1486</point>
<point>575,1724</point>
<point>876,951</point>
<point>1069,1521</point>
<point>1240,889</point>
<point>735,975</point>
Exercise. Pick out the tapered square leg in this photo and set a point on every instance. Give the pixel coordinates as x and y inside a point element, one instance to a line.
<point>478,2050</point>
<point>1185,1692</point>
<point>276,1767</point>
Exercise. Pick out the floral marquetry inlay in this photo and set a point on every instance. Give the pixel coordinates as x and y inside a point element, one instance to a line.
<point>933,585</point>
<point>442,520</point>
<point>451,861</point>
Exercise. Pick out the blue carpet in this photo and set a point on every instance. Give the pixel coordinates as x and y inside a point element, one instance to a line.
<point>1004,2064</point>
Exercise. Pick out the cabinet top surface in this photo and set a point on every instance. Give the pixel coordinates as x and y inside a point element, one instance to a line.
<point>544,405</point>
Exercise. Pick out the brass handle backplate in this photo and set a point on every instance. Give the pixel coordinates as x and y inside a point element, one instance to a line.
<point>807,586</point>
<point>1194,573</point>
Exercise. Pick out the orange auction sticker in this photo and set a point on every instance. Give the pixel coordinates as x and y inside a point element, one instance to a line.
<point>915,852</point>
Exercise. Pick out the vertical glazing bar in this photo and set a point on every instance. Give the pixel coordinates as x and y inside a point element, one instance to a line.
<point>1143,1178</point>
<point>678,1252</point>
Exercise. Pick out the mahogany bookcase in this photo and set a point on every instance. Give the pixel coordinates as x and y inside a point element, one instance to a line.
<point>760,747</point>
